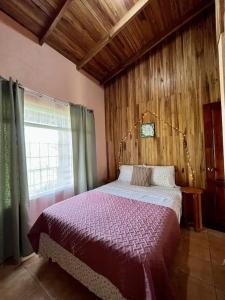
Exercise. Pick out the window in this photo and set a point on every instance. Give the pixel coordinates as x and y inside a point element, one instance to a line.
<point>48,146</point>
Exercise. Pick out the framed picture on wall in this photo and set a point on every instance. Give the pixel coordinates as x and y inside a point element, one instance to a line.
<point>147,130</point>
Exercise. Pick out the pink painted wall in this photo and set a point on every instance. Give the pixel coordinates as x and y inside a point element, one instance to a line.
<point>43,69</point>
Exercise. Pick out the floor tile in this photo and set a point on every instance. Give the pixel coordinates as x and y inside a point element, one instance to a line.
<point>198,268</point>
<point>220,294</point>
<point>18,284</point>
<point>217,254</point>
<point>216,240</point>
<point>34,264</point>
<point>194,247</point>
<point>30,258</point>
<point>215,233</point>
<point>191,233</point>
<point>9,272</point>
<point>190,288</point>
<point>56,282</point>
<point>219,276</point>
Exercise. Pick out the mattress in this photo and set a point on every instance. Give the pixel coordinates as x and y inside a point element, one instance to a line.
<point>166,196</point>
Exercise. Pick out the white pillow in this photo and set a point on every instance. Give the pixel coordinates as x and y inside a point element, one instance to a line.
<point>163,176</point>
<point>126,172</point>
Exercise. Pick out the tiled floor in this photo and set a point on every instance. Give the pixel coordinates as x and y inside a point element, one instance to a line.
<point>197,274</point>
<point>198,271</point>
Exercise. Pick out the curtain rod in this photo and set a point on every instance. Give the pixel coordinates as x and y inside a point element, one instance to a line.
<point>50,97</point>
<point>44,95</point>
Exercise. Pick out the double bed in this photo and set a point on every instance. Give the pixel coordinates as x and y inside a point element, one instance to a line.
<point>118,240</point>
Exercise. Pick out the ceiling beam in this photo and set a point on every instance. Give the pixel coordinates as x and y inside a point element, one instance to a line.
<point>55,21</point>
<point>126,19</point>
<point>149,46</point>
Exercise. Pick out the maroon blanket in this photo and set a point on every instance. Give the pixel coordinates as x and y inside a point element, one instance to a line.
<point>129,242</point>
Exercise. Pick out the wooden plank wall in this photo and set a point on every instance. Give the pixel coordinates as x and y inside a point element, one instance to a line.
<point>174,81</point>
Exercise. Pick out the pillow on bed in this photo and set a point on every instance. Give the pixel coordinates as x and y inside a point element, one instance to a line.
<point>141,176</point>
<point>125,173</point>
<point>163,176</point>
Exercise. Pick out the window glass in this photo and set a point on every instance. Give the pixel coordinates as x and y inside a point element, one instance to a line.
<point>48,145</point>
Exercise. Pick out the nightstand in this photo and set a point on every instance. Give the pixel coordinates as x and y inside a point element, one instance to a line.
<point>196,194</point>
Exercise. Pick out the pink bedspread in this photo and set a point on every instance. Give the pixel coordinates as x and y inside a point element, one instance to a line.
<point>129,242</point>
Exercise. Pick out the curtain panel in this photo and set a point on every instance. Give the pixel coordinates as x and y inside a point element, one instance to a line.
<point>84,148</point>
<point>14,199</point>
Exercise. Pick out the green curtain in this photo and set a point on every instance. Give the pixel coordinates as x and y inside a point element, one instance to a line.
<point>84,148</point>
<point>14,198</point>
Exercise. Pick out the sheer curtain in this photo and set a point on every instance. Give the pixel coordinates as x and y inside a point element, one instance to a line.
<point>84,148</point>
<point>14,202</point>
<point>48,152</point>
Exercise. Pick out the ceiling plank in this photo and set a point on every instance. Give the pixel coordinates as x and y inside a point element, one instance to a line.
<point>93,13</point>
<point>126,19</point>
<point>149,46</point>
<point>55,21</point>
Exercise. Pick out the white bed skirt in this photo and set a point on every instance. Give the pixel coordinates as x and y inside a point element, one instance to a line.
<point>96,283</point>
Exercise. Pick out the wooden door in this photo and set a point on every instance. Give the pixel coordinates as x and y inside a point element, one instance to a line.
<point>214,208</point>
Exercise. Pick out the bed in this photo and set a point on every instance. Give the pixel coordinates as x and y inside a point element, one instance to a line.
<point>118,240</point>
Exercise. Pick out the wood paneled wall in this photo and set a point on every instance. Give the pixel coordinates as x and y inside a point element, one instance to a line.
<point>174,81</point>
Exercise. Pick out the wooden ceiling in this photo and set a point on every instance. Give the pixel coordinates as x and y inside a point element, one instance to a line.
<point>103,37</point>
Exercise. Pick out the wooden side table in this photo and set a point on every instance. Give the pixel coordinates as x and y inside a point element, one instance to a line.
<point>197,205</point>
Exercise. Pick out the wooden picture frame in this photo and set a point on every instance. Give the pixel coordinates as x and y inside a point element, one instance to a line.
<point>147,130</point>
